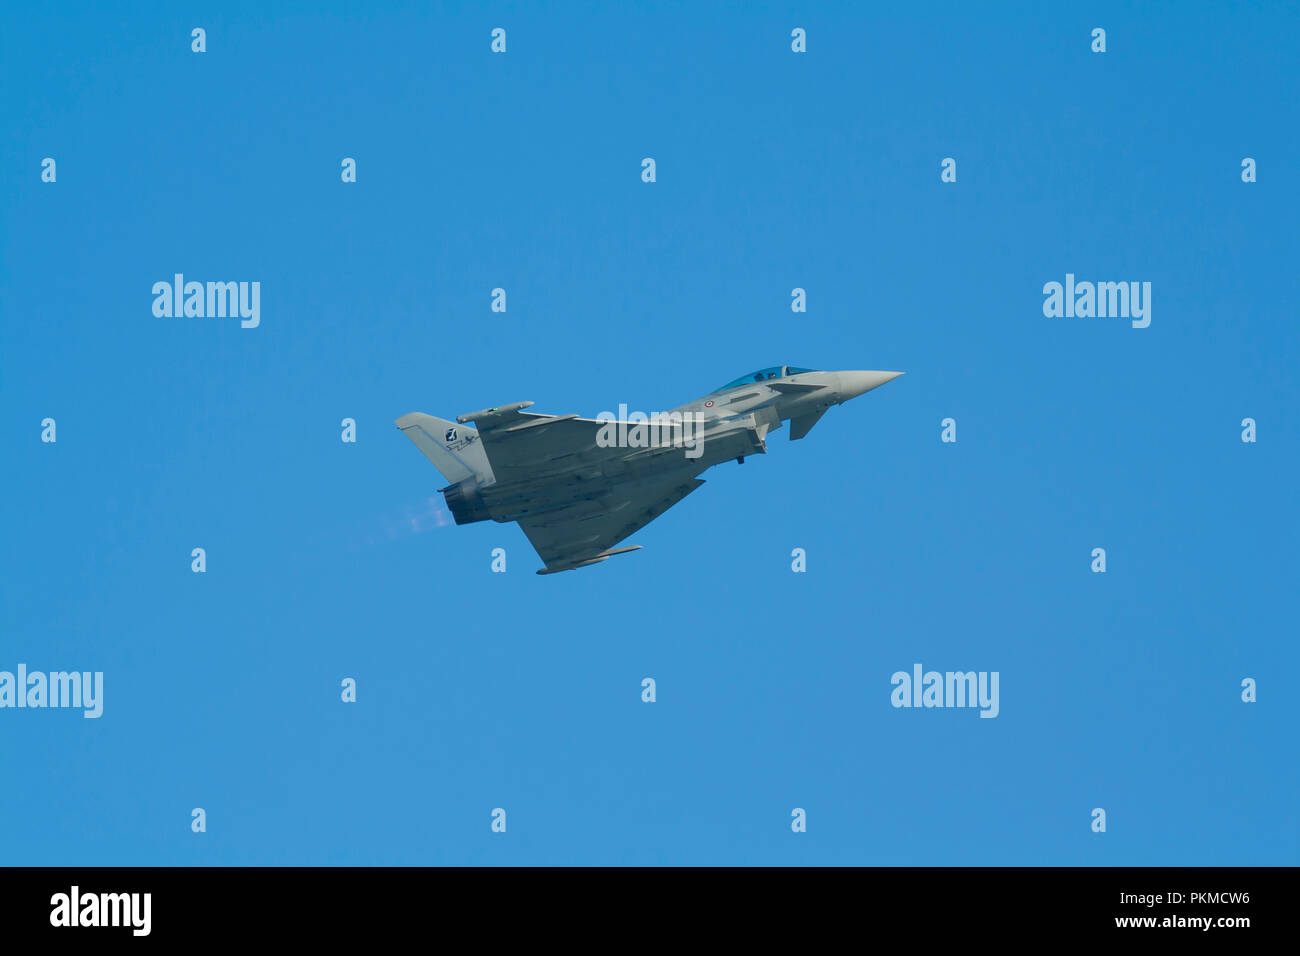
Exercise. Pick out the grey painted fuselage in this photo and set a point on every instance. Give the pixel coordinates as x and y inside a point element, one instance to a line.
<point>579,486</point>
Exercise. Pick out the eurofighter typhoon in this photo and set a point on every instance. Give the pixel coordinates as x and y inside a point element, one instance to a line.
<point>579,486</point>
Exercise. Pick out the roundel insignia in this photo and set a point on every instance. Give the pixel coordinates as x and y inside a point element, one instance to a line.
<point>708,404</point>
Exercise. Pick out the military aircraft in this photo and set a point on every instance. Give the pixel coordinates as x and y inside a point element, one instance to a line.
<point>579,486</point>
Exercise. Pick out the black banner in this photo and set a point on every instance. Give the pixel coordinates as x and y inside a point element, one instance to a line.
<point>177,905</point>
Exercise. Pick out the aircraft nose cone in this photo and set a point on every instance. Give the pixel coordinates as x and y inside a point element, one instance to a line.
<point>853,384</point>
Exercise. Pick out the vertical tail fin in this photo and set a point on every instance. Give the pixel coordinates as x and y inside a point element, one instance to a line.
<point>455,450</point>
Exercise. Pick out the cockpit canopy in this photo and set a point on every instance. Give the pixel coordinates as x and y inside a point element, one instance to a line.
<point>763,374</point>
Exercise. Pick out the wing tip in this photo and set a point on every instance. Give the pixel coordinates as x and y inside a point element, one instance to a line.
<point>586,562</point>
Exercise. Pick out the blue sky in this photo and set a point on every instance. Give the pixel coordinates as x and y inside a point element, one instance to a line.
<point>775,170</point>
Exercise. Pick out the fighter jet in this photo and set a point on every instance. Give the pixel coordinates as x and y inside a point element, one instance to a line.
<point>579,486</point>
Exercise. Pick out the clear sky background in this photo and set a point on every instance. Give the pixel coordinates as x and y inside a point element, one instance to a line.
<point>775,170</point>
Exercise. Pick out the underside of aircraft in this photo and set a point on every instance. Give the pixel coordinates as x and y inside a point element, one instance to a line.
<point>579,486</point>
